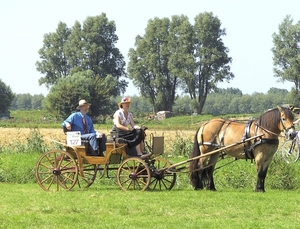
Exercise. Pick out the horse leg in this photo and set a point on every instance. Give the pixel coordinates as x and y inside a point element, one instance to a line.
<point>262,164</point>
<point>206,174</point>
<point>261,176</point>
<point>199,184</point>
<point>261,173</point>
<point>196,175</point>
<point>262,169</point>
<point>210,172</point>
<point>200,176</point>
<point>210,185</point>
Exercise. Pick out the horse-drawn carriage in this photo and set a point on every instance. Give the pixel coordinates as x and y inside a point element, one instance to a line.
<point>255,139</point>
<point>62,169</point>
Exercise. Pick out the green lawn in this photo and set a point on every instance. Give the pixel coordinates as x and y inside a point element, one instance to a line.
<point>106,206</point>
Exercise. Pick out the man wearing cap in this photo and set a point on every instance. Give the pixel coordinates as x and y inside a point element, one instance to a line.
<point>80,121</point>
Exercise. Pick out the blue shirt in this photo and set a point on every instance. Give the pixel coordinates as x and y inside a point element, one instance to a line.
<point>75,119</point>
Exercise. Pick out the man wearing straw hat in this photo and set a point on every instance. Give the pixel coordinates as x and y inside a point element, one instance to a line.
<point>80,121</point>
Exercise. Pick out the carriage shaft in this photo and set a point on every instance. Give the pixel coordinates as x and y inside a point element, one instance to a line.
<point>210,153</point>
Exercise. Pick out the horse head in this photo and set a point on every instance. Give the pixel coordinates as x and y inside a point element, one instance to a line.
<point>287,122</point>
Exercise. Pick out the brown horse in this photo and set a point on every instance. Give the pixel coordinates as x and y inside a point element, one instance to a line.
<point>218,133</point>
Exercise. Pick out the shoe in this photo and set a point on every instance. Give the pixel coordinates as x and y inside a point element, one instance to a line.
<point>145,156</point>
<point>101,154</point>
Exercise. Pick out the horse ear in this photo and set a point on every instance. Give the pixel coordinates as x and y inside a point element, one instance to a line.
<point>280,109</point>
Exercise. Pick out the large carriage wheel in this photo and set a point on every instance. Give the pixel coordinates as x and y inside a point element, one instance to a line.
<point>89,175</point>
<point>133,174</point>
<point>290,151</point>
<point>56,169</point>
<point>161,179</point>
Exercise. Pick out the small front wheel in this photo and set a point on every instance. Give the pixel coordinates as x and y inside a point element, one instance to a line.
<point>161,178</point>
<point>133,174</point>
<point>290,151</point>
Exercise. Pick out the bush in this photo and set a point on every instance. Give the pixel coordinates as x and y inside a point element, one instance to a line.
<point>182,146</point>
<point>18,167</point>
<point>283,175</point>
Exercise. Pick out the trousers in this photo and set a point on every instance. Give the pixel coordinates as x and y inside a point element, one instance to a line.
<point>95,143</point>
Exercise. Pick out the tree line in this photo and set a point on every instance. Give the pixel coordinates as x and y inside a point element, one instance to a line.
<point>225,101</point>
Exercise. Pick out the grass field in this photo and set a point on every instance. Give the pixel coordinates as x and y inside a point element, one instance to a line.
<point>106,206</point>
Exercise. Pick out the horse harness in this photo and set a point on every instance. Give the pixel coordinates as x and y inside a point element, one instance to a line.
<point>248,147</point>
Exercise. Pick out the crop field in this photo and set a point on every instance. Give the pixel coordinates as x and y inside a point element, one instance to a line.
<point>10,135</point>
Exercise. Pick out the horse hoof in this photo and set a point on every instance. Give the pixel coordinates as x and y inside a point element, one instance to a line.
<point>198,188</point>
<point>211,189</point>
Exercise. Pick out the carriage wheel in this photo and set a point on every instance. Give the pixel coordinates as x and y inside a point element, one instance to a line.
<point>89,175</point>
<point>133,174</point>
<point>161,180</point>
<point>56,170</point>
<point>290,151</point>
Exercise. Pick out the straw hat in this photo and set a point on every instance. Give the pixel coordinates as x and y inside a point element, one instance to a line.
<point>81,103</point>
<point>124,100</point>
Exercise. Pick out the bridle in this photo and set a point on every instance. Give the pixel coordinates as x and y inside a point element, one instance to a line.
<point>284,128</point>
<point>287,131</point>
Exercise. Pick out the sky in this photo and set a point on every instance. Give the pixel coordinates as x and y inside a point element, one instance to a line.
<point>249,26</point>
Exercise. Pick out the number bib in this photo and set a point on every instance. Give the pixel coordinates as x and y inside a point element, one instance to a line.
<point>73,138</point>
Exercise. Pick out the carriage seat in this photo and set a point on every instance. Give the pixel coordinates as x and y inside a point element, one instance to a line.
<point>114,139</point>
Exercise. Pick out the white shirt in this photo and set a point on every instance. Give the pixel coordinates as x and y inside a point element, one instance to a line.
<point>123,120</point>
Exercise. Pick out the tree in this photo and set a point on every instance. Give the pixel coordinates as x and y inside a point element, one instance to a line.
<point>63,97</point>
<point>54,62</point>
<point>175,55</point>
<point>37,101</point>
<point>148,65</point>
<point>6,98</point>
<point>211,57</point>
<point>182,106</point>
<point>286,54</point>
<point>88,47</point>
<point>24,101</point>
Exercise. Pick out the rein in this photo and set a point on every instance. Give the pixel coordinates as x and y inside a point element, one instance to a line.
<point>270,132</point>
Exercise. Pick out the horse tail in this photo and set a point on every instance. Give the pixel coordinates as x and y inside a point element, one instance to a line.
<point>194,177</point>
